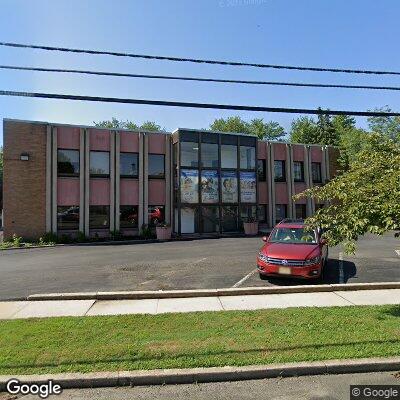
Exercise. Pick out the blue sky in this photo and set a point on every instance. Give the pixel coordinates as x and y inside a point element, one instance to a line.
<point>336,33</point>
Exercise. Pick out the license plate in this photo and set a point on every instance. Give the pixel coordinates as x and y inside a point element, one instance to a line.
<point>284,270</point>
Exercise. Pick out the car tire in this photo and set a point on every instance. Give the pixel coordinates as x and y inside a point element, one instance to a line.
<point>263,277</point>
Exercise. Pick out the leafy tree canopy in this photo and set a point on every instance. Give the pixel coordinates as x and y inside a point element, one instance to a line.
<point>388,126</point>
<point>263,130</point>
<point>365,198</point>
<point>114,123</point>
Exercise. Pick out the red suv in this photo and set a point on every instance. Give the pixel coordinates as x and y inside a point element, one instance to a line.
<point>292,251</point>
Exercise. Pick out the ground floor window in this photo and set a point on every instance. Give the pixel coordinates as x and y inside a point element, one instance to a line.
<point>189,220</point>
<point>156,215</point>
<point>263,214</point>
<point>68,217</point>
<point>301,211</point>
<point>229,219</point>
<point>210,219</point>
<point>99,217</point>
<point>128,216</point>
<point>247,214</point>
<point>280,212</point>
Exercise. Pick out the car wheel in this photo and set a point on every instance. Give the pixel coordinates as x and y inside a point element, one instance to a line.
<point>263,277</point>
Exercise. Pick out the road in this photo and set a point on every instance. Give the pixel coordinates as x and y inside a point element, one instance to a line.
<point>208,263</point>
<point>319,387</point>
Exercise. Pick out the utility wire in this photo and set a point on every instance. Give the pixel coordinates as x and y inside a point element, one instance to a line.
<point>199,61</point>
<point>198,105</point>
<point>185,78</point>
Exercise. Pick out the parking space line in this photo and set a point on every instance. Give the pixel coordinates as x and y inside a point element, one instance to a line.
<point>245,278</point>
<point>397,252</point>
<point>341,272</point>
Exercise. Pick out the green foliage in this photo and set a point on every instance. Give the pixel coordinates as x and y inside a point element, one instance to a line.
<point>16,241</point>
<point>263,130</point>
<point>387,126</point>
<point>363,199</point>
<point>146,232</point>
<point>49,238</point>
<point>114,123</point>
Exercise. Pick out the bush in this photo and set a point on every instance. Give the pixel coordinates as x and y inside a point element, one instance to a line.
<point>81,238</point>
<point>48,238</point>
<point>145,232</point>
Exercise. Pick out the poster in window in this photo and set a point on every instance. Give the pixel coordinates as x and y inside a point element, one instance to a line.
<point>209,187</point>
<point>229,187</point>
<point>248,183</point>
<point>189,186</point>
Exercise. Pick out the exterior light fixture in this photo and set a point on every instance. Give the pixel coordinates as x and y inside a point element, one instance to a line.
<point>24,157</point>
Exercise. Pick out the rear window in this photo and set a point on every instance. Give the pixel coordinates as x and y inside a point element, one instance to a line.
<point>293,236</point>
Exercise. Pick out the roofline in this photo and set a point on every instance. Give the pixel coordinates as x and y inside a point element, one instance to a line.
<point>211,131</point>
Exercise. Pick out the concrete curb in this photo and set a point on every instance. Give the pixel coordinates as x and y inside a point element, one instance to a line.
<point>203,375</point>
<point>246,291</point>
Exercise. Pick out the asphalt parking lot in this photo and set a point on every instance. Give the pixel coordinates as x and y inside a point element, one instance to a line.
<point>197,264</point>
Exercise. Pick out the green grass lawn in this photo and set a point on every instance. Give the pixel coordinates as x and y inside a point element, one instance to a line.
<point>206,339</point>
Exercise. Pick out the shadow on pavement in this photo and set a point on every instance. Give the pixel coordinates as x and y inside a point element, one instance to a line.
<point>333,273</point>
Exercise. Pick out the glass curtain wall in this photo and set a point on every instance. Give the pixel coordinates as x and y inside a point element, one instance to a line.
<point>215,181</point>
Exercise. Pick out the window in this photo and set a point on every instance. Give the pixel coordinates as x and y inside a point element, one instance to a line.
<point>157,166</point>
<point>247,213</point>
<point>189,154</point>
<point>301,211</point>
<point>229,187</point>
<point>189,186</point>
<point>100,163</point>
<point>229,219</point>
<point>316,172</point>
<point>156,215</point>
<point>280,212</point>
<point>209,186</point>
<point>298,170</point>
<point>210,219</point>
<point>68,217</point>
<point>209,155</point>
<point>68,162</point>
<point>128,216</point>
<point>99,217</point>
<point>129,165</point>
<point>228,156</point>
<point>261,170</point>
<point>189,220</point>
<point>247,157</point>
<point>263,214</point>
<point>280,171</point>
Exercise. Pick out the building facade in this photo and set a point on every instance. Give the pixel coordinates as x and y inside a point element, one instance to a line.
<point>75,179</point>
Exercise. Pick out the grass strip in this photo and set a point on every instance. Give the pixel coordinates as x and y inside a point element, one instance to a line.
<point>132,342</point>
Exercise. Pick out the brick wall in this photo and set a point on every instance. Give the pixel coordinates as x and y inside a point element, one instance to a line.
<point>24,181</point>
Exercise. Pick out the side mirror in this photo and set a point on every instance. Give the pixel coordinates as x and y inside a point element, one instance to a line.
<point>265,238</point>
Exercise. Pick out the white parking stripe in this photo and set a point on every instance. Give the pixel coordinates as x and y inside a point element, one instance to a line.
<point>341,272</point>
<point>397,252</point>
<point>245,278</point>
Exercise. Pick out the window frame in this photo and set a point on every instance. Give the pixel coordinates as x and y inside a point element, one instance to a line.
<point>148,166</point>
<point>109,164</point>
<point>69,229</point>
<point>66,174</point>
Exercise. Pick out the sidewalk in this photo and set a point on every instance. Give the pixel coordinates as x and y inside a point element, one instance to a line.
<point>58,308</point>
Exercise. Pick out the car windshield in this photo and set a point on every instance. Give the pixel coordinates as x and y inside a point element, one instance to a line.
<point>293,236</point>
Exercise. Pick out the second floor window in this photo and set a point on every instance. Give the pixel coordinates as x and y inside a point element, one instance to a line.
<point>316,172</point>
<point>280,171</point>
<point>261,170</point>
<point>99,163</point>
<point>68,162</point>
<point>156,165</point>
<point>128,165</point>
<point>298,171</point>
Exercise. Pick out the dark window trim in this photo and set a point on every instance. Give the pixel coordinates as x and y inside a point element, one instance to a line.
<point>157,176</point>
<point>71,175</point>
<point>283,179</point>
<point>129,176</point>
<point>109,164</point>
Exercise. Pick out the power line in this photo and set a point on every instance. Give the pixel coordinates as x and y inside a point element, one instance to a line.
<point>198,61</point>
<point>185,78</point>
<point>199,105</point>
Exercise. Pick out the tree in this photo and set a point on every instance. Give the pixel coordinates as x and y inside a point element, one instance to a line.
<point>387,126</point>
<point>326,132</point>
<point>303,130</point>
<point>114,123</point>
<point>263,130</point>
<point>363,199</point>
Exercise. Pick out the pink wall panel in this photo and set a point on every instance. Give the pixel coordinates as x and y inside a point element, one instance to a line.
<point>316,154</point>
<point>298,188</point>
<point>99,139</point>
<point>68,191</point>
<point>156,192</point>
<point>262,193</point>
<point>262,150</point>
<point>129,192</point>
<point>129,142</point>
<point>281,193</point>
<point>279,151</point>
<point>99,192</point>
<point>157,144</point>
<point>68,137</point>
<point>298,153</point>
